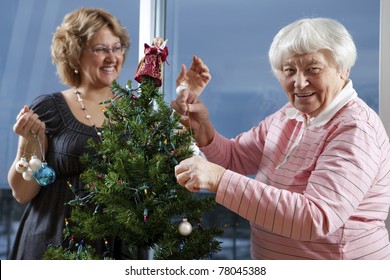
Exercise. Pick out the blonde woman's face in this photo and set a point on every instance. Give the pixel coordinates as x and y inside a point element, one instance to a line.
<point>101,60</point>
<point>311,81</point>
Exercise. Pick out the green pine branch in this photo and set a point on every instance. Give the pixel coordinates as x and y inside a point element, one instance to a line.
<point>131,200</point>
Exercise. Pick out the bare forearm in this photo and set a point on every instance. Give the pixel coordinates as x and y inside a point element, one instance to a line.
<point>205,134</point>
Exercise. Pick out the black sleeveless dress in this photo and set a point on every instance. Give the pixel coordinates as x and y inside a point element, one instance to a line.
<point>43,220</point>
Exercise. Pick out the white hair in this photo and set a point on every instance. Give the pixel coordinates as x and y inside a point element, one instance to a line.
<point>311,35</point>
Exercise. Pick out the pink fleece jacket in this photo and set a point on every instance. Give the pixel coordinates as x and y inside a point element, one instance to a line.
<point>321,188</point>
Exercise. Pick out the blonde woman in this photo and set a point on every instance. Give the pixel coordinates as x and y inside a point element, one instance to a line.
<point>89,49</point>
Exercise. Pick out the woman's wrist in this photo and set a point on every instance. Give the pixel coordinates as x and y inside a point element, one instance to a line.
<point>205,135</point>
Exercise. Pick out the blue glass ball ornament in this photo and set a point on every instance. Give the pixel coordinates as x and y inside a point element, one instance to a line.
<point>45,175</point>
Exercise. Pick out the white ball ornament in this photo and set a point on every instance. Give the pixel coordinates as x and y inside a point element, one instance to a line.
<point>195,149</point>
<point>35,163</point>
<point>181,87</point>
<point>22,165</point>
<point>28,175</point>
<point>185,228</point>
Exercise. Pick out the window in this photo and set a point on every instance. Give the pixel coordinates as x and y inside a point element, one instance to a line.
<point>233,38</point>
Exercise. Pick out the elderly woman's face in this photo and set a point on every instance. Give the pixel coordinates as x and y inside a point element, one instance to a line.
<point>101,60</point>
<point>311,81</point>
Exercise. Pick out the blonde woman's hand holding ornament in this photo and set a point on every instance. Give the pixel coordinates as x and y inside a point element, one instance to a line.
<point>28,125</point>
<point>31,148</point>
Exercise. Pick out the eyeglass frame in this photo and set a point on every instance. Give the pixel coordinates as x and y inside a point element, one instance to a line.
<point>99,51</point>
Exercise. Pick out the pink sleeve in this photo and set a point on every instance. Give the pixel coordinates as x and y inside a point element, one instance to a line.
<point>241,154</point>
<point>280,211</point>
<point>345,182</point>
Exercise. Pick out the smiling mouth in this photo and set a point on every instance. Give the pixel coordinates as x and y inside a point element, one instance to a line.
<point>303,95</point>
<point>108,69</point>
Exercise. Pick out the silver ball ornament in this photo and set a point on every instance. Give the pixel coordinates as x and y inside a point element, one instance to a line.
<point>28,175</point>
<point>181,87</point>
<point>185,228</point>
<point>35,163</point>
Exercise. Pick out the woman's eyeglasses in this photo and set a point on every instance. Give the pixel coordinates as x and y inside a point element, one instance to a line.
<point>102,51</point>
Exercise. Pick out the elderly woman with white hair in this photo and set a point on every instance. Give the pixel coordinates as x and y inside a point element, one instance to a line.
<point>321,163</point>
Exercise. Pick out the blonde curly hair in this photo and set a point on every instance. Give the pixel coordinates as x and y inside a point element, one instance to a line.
<point>77,28</point>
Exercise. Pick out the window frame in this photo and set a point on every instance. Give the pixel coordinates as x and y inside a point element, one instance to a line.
<point>384,62</point>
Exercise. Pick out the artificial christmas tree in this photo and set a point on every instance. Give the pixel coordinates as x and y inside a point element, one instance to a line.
<point>131,206</point>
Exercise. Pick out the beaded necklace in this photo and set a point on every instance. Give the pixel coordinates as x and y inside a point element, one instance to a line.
<point>86,114</point>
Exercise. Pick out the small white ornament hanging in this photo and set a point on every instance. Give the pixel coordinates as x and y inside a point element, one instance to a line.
<point>195,149</point>
<point>28,175</point>
<point>181,87</point>
<point>185,228</point>
<point>22,165</point>
<point>35,163</point>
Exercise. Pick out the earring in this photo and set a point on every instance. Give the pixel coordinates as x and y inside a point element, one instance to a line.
<point>76,71</point>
